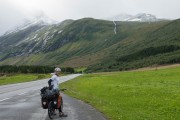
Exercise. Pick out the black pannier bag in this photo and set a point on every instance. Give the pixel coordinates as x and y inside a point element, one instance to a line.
<point>45,97</point>
<point>44,103</point>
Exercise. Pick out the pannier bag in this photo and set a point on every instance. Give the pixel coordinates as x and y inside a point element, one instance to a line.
<point>44,103</point>
<point>45,97</point>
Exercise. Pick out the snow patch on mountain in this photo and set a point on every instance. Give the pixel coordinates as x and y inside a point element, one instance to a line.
<point>60,31</point>
<point>35,36</point>
<point>142,17</point>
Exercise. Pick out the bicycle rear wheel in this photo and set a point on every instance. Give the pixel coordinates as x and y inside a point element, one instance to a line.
<point>51,110</point>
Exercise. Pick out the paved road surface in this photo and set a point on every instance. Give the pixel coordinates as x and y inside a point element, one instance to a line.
<point>22,102</point>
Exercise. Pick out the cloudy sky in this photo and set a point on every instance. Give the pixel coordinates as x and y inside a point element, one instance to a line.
<point>13,12</point>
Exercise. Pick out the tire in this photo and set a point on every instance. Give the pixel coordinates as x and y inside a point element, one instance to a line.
<point>61,104</point>
<point>51,110</point>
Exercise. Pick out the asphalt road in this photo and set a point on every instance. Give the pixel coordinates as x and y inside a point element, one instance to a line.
<point>22,102</point>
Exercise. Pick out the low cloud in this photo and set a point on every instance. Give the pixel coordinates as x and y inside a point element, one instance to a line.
<point>12,12</point>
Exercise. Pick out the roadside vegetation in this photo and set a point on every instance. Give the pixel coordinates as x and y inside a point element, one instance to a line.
<point>32,69</point>
<point>80,69</point>
<point>18,78</point>
<point>133,95</point>
<point>16,74</point>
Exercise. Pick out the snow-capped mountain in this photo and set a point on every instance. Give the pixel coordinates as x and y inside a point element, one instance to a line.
<point>143,17</point>
<point>40,20</point>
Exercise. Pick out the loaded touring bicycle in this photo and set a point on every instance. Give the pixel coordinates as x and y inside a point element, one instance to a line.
<point>51,100</point>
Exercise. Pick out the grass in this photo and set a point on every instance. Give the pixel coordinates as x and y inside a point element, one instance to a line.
<point>18,78</point>
<point>80,69</point>
<point>134,95</point>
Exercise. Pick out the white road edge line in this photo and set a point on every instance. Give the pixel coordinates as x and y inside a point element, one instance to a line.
<point>4,99</point>
<point>22,93</point>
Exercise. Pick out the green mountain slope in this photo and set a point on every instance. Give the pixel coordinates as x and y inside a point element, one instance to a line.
<point>159,45</point>
<point>93,43</point>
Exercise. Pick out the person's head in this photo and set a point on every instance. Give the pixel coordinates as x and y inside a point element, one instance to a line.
<point>57,71</point>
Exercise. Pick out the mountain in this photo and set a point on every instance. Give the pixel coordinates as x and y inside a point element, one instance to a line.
<point>26,34</point>
<point>29,39</point>
<point>142,17</point>
<point>40,19</point>
<point>99,45</point>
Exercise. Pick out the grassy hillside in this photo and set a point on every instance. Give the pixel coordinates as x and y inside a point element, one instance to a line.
<point>92,43</point>
<point>138,95</point>
<point>154,45</point>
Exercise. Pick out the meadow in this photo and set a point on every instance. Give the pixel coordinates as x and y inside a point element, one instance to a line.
<point>133,95</point>
<point>18,78</point>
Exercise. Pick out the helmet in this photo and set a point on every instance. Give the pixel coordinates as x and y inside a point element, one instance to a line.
<point>57,69</point>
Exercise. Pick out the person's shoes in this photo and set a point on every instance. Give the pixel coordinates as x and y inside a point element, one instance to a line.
<point>62,115</point>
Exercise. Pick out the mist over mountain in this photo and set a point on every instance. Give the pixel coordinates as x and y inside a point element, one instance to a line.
<point>142,17</point>
<point>38,19</point>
